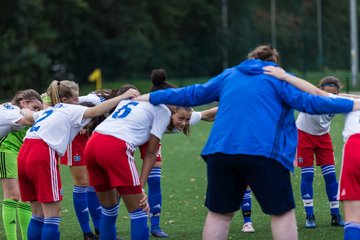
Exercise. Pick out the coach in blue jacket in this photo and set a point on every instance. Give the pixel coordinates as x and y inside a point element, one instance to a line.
<point>252,141</point>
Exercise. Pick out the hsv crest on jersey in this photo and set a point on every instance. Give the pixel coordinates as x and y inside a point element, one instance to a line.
<point>77,158</point>
<point>8,106</point>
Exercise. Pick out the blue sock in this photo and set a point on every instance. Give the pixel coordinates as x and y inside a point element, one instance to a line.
<point>307,178</point>
<point>246,206</point>
<point>94,207</point>
<point>35,227</point>
<point>155,197</point>
<point>139,227</point>
<point>50,229</point>
<point>81,207</point>
<point>351,231</point>
<point>331,183</point>
<point>107,223</point>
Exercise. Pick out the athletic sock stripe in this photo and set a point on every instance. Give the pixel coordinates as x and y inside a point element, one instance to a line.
<point>110,212</point>
<point>52,220</point>
<point>155,176</point>
<point>24,206</point>
<point>90,189</point>
<point>352,224</point>
<point>10,203</point>
<point>137,215</point>
<point>79,189</point>
<point>37,218</point>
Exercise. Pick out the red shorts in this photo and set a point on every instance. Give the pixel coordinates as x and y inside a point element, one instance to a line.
<point>143,149</point>
<point>38,170</point>
<point>74,155</point>
<point>349,183</point>
<point>310,145</point>
<point>110,163</point>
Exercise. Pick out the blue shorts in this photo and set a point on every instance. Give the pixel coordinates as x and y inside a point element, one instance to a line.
<point>229,175</point>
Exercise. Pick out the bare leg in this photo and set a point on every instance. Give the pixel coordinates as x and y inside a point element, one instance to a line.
<point>36,209</point>
<point>11,188</point>
<point>352,211</point>
<point>284,227</point>
<point>217,226</point>
<point>79,175</point>
<point>51,209</point>
<point>108,198</point>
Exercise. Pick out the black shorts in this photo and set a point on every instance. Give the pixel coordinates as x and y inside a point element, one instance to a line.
<point>229,175</point>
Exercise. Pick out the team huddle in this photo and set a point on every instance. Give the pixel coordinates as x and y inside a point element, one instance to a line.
<point>38,131</point>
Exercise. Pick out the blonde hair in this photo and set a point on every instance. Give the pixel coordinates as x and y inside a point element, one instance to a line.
<point>27,95</point>
<point>61,89</point>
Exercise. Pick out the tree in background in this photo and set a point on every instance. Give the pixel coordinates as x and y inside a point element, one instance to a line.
<point>43,40</point>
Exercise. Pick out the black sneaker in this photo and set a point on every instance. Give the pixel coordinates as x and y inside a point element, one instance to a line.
<point>90,236</point>
<point>336,220</point>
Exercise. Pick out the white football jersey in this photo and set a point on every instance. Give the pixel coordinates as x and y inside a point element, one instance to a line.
<point>58,125</point>
<point>134,121</point>
<point>92,98</point>
<point>352,124</point>
<point>195,118</point>
<point>314,124</point>
<point>9,115</point>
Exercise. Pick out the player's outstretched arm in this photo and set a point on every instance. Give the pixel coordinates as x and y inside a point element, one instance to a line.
<point>209,114</point>
<point>349,95</point>
<point>301,84</point>
<point>28,118</point>
<point>144,97</point>
<point>107,105</point>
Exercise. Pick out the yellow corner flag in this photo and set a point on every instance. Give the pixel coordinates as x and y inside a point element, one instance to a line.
<point>95,76</point>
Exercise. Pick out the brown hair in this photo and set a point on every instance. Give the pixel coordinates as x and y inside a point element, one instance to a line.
<point>265,53</point>
<point>158,79</point>
<point>61,89</point>
<point>110,93</point>
<point>330,81</point>
<point>27,95</point>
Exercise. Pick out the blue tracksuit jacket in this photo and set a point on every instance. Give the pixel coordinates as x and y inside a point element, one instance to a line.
<point>256,111</point>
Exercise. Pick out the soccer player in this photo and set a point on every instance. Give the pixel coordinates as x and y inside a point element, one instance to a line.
<point>9,148</point>
<point>253,139</point>
<point>246,207</point>
<point>314,140</point>
<point>85,200</point>
<point>38,169</point>
<point>154,179</point>
<point>10,116</point>
<point>113,172</point>
<point>349,184</point>
<point>159,81</point>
